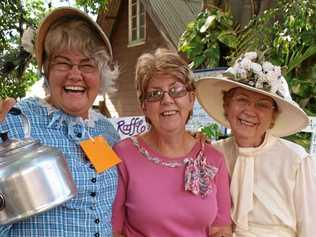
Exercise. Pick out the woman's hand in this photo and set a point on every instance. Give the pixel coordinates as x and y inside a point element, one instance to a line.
<point>5,106</point>
<point>222,235</point>
<point>202,137</point>
<point>115,234</point>
<point>221,231</point>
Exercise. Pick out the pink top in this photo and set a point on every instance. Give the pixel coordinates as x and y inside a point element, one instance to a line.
<point>151,200</point>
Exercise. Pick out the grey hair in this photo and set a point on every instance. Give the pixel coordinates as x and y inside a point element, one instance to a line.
<point>75,33</point>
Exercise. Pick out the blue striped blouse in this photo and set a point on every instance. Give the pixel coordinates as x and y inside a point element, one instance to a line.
<point>89,213</point>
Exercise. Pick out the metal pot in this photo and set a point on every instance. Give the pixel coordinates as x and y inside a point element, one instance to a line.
<point>33,177</point>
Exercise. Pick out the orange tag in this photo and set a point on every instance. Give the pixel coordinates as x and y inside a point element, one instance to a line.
<point>100,153</point>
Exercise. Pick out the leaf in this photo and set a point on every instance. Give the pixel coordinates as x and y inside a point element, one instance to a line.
<point>212,131</point>
<point>299,56</point>
<point>228,38</point>
<point>198,61</point>
<point>301,88</point>
<point>212,56</point>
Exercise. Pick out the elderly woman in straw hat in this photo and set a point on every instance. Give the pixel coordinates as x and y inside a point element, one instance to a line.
<point>170,184</point>
<point>75,56</point>
<point>273,181</point>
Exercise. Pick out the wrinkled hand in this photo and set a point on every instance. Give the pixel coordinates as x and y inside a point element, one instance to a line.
<point>202,137</point>
<point>222,235</point>
<point>221,231</point>
<point>117,235</point>
<point>5,106</point>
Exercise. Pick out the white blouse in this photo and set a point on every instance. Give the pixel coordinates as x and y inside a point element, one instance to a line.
<point>273,188</point>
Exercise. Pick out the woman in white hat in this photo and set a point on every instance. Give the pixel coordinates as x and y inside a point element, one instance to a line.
<point>273,181</point>
<point>75,56</point>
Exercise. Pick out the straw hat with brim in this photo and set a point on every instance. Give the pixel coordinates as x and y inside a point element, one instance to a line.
<point>54,16</point>
<point>291,118</point>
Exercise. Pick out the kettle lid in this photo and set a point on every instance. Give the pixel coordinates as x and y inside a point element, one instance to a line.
<point>9,145</point>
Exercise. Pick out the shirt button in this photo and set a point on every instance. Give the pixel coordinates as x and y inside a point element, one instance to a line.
<point>97,221</point>
<point>97,234</point>
<point>93,194</point>
<point>93,180</point>
<point>79,134</point>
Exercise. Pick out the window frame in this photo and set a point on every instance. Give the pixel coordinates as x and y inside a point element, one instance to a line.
<point>139,39</point>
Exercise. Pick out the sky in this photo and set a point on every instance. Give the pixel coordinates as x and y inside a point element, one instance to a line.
<point>60,3</point>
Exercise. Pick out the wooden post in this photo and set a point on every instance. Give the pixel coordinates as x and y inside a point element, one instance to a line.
<point>103,109</point>
<point>242,10</point>
<point>213,4</point>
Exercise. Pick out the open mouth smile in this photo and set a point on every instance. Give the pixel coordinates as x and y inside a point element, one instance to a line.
<point>74,89</point>
<point>169,113</point>
<point>247,123</point>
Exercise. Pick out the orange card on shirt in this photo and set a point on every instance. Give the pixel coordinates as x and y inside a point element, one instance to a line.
<point>100,153</point>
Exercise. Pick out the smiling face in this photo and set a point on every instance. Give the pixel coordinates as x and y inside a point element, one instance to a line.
<point>169,114</point>
<point>250,115</point>
<point>73,90</point>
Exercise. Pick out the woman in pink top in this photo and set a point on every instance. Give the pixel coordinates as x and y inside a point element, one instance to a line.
<point>170,184</point>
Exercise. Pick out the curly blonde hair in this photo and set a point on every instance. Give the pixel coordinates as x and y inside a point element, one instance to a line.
<point>162,61</point>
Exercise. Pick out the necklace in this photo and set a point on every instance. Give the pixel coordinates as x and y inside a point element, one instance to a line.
<point>198,174</point>
<point>156,160</point>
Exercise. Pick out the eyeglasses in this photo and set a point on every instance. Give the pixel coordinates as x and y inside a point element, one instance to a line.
<point>65,66</point>
<point>262,105</point>
<point>158,94</point>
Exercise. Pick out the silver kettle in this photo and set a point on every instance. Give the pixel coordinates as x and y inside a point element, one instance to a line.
<point>33,177</point>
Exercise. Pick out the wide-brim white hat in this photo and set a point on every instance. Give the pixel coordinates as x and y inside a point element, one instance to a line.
<point>291,118</point>
<point>54,16</point>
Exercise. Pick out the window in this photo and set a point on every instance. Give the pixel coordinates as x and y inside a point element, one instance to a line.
<point>136,22</point>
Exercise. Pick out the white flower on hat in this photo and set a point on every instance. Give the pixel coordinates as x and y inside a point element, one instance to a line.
<point>277,70</point>
<point>267,66</point>
<point>261,75</point>
<point>256,68</point>
<point>251,55</point>
<point>284,89</point>
<point>27,40</point>
<point>231,71</point>
<point>245,63</point>
<point>241,73</point>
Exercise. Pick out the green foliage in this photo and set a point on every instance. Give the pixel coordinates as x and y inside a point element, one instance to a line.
<point>302,138</point>
<point>207,40</point>
<point>34,11</point>
<point>290,43</point>
<point>284,33</point>
<point>212,131</point>
<point>17,69</point>
<point>15,17</point>
<point>13,59</point>
<point>92,6</point>
<point>15,87</point>
<point>303,87</point>
<point>287,36</point>
<point>9,26</point>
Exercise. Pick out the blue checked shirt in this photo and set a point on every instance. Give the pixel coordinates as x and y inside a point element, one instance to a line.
<point>89,213</point>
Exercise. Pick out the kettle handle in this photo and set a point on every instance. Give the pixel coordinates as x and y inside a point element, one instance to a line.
<point>4,136</point>
<point>2,201</point>
<point>26,122</point>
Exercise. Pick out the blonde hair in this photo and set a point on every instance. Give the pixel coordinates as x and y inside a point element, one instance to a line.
<point>162,61</point>
<point>77,34</point>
